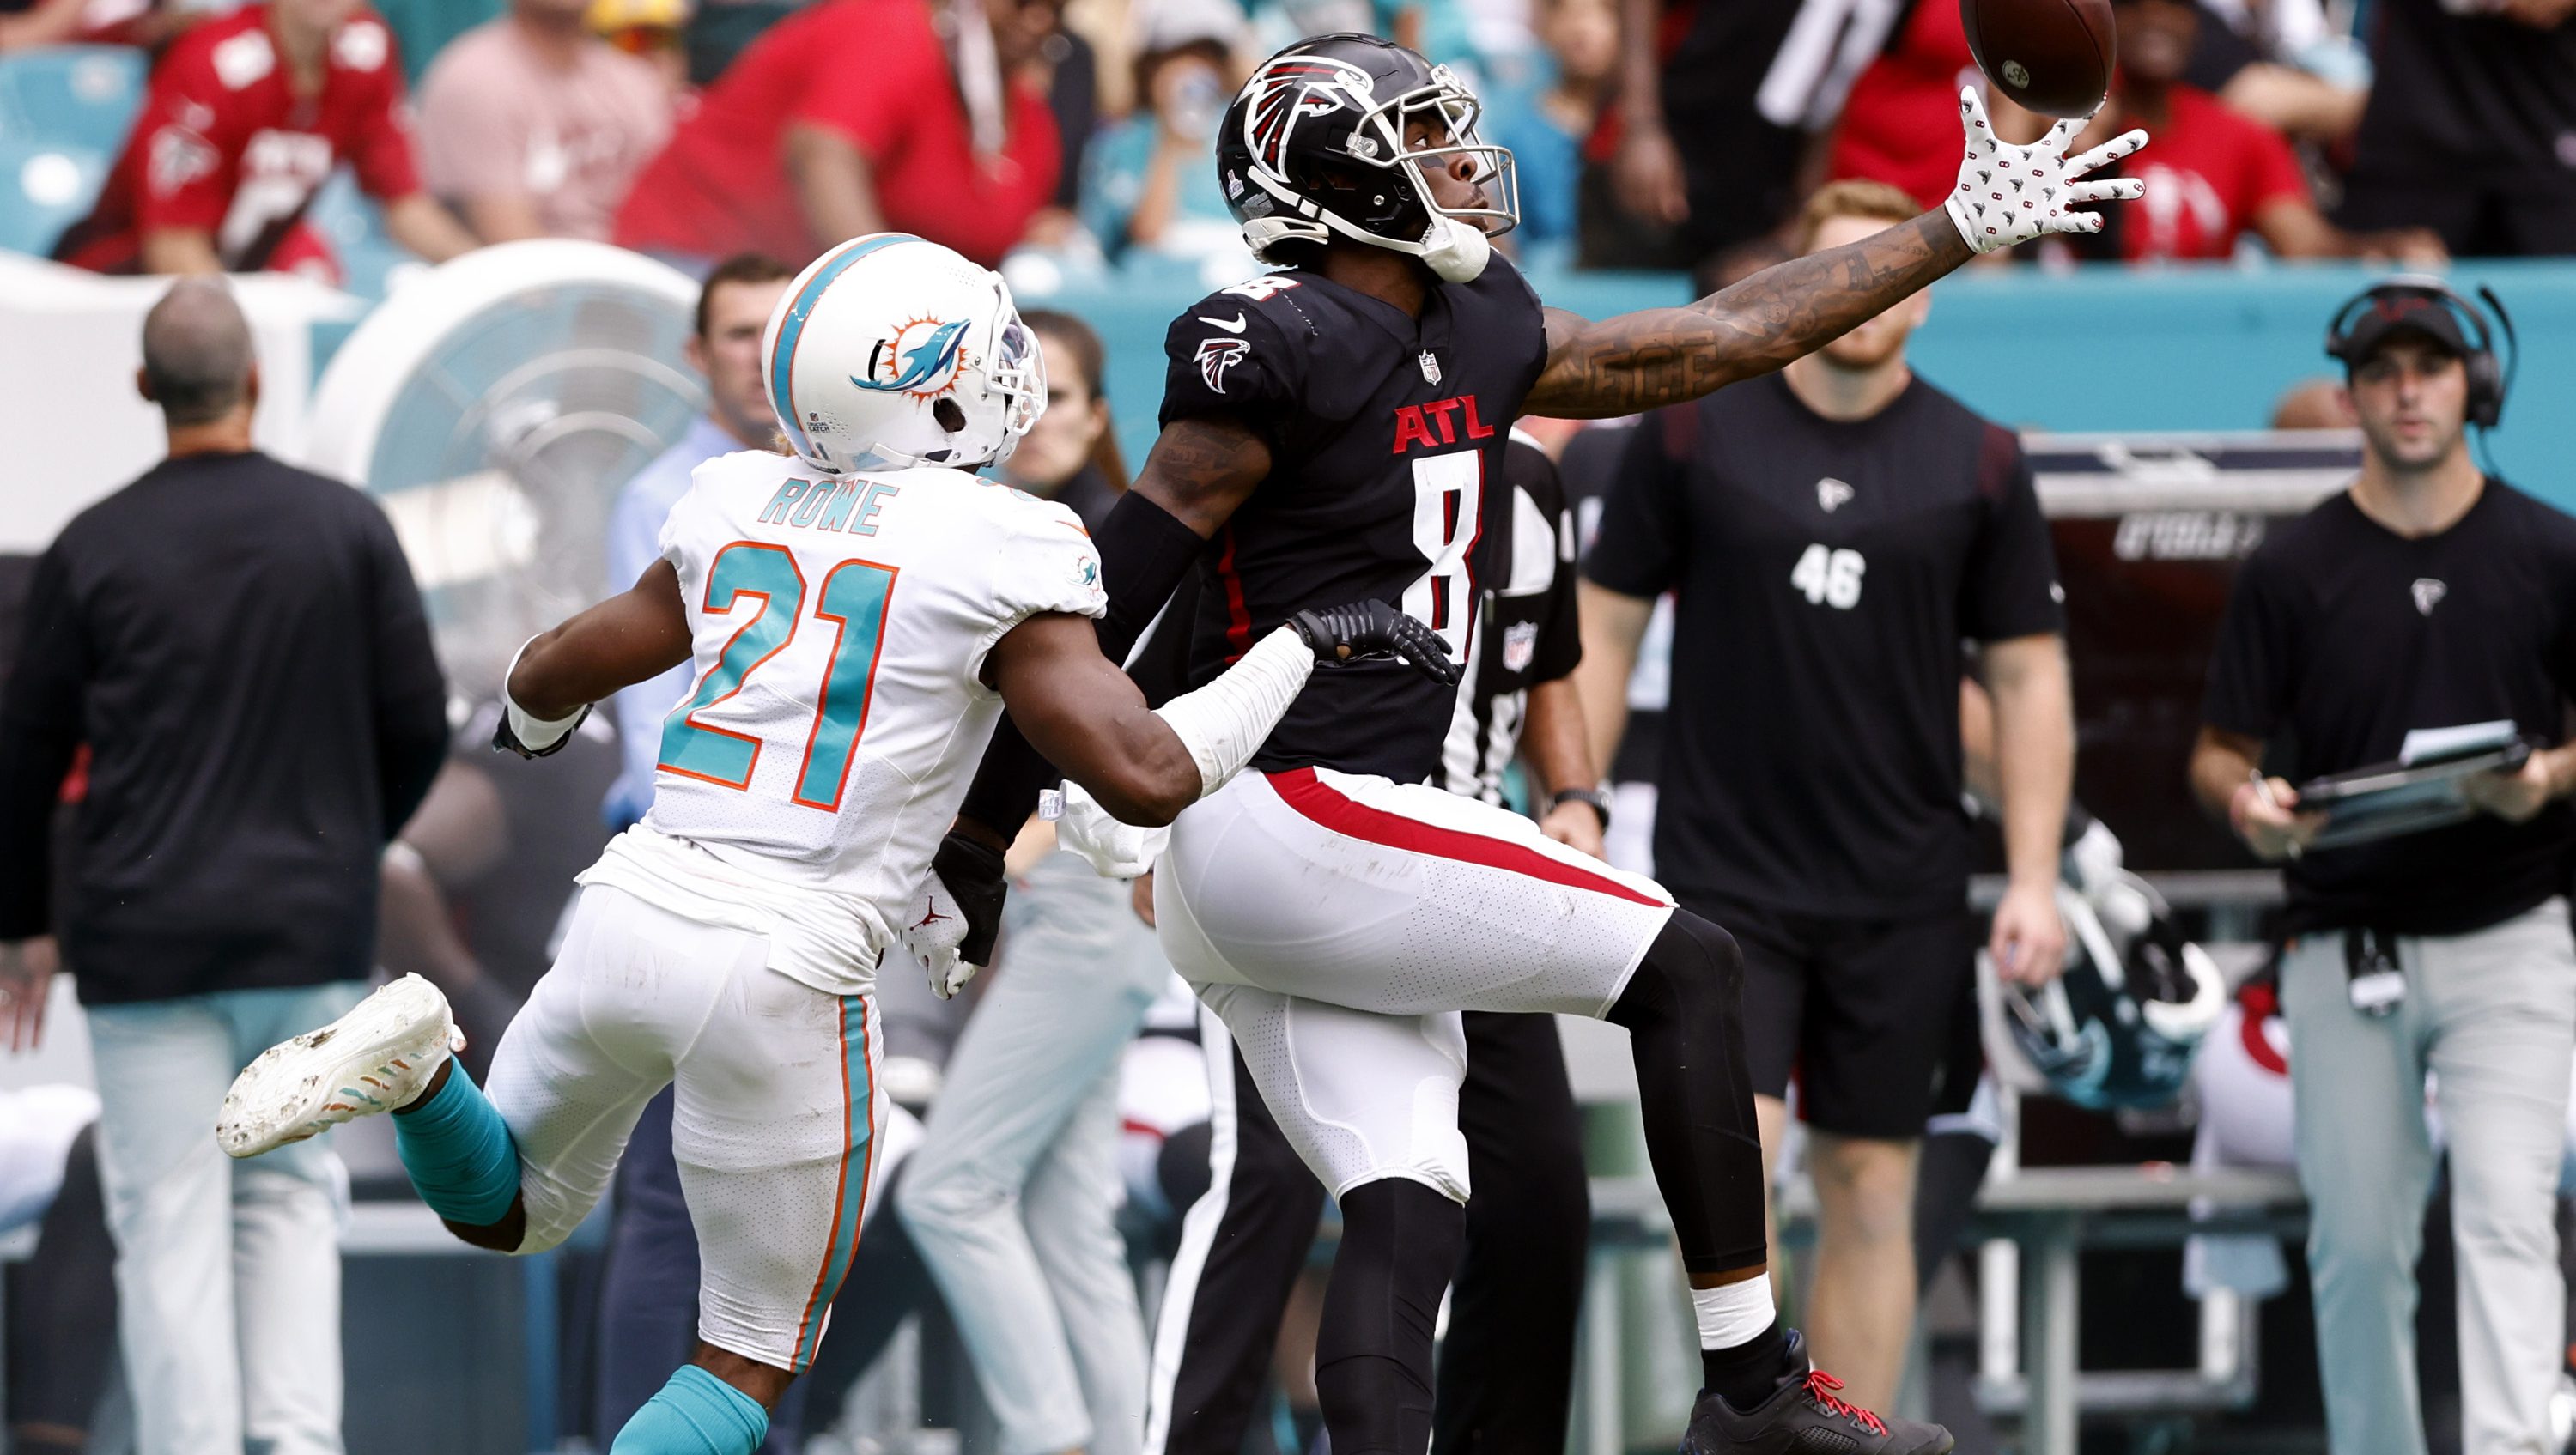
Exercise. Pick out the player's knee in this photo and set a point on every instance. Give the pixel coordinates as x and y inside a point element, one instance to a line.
<point>930,1200</point>
<point>1693,971</point>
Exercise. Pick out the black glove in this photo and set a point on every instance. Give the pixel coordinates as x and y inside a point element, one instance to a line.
<point>1375,629</point>
<point>973,874</point>
<point>506,741</point>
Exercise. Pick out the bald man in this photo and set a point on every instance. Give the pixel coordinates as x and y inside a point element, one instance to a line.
<point>240,645</point>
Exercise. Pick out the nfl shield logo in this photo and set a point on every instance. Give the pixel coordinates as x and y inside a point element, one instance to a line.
<point>1430,368</point>
<point>1520,644</point>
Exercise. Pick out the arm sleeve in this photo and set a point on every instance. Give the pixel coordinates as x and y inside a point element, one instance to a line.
<point>187,178</point>
<point>381,153</point>
<point>2249,671</point>
<point>40,728</point>
<point>1644,525</point>
<point>1227,357</point>
<point>2011,585</point>
<point>411,696</point>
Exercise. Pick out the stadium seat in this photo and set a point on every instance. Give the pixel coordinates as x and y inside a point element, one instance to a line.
<point>44,188</point>
<point>73,96</point>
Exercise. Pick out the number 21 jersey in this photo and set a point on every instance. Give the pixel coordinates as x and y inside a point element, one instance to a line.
<point>1386,436</point>
<point>839,627</point>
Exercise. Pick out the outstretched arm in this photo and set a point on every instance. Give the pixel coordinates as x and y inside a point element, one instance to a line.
<point>1147,764</point>
<point>1658,356</point>
<point>632,637</point>
<point>1075,707</point>
<point>1200,472</point>
<point>2007,194</point>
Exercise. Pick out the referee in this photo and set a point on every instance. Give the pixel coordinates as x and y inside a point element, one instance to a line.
<point>2428,595</point>
<point>1833,533</point>
<point>1507,1369</point>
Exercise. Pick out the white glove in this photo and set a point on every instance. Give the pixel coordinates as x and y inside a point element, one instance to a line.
<point>1114,850</point>
<point>2010,194</point>
<point>938,927</point>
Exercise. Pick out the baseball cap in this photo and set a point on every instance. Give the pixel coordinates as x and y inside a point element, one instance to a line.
<point>2394,306</point>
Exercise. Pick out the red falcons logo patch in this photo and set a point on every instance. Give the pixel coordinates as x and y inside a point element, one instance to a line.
<point>1218,355</point>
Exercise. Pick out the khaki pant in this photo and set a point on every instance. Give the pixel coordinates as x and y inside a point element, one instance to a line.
<point>2491,1016</point>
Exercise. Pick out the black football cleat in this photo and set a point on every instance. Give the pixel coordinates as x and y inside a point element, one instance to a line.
<point>1803,1417</point>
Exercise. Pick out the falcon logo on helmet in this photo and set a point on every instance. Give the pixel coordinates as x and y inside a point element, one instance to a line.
<point>889,352</point>
<point>1339,136</point>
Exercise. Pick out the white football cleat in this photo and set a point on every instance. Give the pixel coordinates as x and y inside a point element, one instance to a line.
<point>375,1058</point>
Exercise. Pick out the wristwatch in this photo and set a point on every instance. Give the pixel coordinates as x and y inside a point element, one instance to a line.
<point>1598,798</point>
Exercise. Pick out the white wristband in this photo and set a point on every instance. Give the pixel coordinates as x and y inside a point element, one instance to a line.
<point>1225,722</point>
<point>536,734</point>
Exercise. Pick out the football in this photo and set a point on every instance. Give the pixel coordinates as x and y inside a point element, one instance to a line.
<point>2052,56</point>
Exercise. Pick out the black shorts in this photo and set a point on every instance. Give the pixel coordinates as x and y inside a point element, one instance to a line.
<point>1858,1011</point>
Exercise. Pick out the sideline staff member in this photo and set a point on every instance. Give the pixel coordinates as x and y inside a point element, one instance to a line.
<point>2427,595</point>
<point>242,648</point>
<point>1835,532</point>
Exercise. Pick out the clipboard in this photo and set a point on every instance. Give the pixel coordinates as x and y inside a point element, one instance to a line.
<point>2387,800</point>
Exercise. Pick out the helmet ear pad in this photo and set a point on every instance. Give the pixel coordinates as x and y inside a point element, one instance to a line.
<point>1382,200</point>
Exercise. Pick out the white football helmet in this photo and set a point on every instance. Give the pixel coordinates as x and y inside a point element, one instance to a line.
<point>890,352</point>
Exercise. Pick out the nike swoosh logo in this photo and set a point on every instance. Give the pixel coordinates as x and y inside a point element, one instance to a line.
<point>1234,325</point>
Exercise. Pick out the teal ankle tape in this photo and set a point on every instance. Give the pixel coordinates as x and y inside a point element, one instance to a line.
<point>695,1414</point>
<point>459,1153</point>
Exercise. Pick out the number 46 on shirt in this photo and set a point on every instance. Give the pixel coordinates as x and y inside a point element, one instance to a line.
<point>852,601</point>
<point>1829,577</point>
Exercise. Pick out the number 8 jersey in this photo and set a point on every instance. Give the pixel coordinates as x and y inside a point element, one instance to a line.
<point>1386,437</point>
<point>839,628</point>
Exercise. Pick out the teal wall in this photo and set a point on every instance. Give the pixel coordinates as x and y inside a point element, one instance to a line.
<point>2103,348</point>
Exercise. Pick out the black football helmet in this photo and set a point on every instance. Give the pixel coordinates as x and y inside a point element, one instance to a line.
<point>1327,138</point>
<point>2119,1029</point>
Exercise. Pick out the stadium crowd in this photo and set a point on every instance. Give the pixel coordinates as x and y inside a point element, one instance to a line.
<point>1074,133</point>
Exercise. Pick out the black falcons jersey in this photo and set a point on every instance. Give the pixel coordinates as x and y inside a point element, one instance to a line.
<point>1386,438</point>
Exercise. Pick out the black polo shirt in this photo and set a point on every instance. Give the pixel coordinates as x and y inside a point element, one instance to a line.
<point>242,648</point>
<point>1827,574</point>
<point>2341,637</point>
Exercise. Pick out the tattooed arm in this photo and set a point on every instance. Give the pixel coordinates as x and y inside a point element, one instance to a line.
<point>1202,470</point>
<point>1639,361</point>
<point>2007,194</point>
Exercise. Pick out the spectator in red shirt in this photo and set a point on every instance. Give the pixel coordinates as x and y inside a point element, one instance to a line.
<point>2213,174</point>
<point>1886,133</point>
<point>246,117</point>
<point>849,117</point>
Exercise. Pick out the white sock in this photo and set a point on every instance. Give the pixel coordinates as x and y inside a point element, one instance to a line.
<point>1735,1313</point>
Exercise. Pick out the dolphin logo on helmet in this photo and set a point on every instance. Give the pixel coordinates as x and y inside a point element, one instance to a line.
<point>890,352</point>
<point>929,367</point>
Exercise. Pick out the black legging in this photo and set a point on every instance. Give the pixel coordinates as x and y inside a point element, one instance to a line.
<point>1684,1013</point>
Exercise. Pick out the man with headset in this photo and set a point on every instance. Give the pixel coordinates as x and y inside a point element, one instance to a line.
<point>2428,595</point>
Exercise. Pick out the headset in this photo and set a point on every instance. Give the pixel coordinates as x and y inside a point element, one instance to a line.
<point>2490,380</point>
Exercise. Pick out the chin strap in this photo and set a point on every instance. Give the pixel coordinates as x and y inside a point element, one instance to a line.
<point>1457,251</point>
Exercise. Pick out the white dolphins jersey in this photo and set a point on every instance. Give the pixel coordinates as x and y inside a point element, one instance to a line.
<point>835,716</point>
